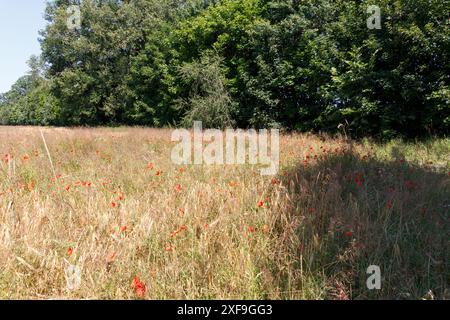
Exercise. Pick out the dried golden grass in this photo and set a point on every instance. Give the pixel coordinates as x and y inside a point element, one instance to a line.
<point>119,209</point>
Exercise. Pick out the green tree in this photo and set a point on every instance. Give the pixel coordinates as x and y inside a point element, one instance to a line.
<point>209,100</point>
<point>29,101</point>
<point>296,64</point>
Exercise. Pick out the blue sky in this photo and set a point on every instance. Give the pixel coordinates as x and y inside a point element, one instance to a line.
<point>20,21</point>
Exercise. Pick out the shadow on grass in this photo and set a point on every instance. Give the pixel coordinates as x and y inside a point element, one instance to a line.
<point>348,212</point>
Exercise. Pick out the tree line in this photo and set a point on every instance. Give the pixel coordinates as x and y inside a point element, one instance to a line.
<point>307,65</point>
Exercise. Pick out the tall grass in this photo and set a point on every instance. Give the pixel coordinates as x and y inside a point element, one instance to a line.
<point>117,208</point>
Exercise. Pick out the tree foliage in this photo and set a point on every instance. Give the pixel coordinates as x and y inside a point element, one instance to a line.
<point>296,64</point>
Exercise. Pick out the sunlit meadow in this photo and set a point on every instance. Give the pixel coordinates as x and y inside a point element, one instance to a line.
<point>111,203</point>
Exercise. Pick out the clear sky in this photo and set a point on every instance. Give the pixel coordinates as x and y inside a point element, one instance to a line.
<point>20,21</point>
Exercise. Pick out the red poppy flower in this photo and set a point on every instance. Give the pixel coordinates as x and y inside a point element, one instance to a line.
<point>348,234</point>
<point>260,204</point>
<point>70,252</point>
<point>181,229</point>
<point>358,181</point>
<point>139,287</point>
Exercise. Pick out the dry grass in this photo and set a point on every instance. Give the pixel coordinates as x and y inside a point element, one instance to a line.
<point>118,208</point>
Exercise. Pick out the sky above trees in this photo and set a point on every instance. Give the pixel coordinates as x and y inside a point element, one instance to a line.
<point>20,22</point>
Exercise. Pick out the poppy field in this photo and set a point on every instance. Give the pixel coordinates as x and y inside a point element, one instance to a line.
<point>105,214</point>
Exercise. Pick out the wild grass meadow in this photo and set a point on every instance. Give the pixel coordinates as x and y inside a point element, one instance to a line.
<point>110,206</point>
